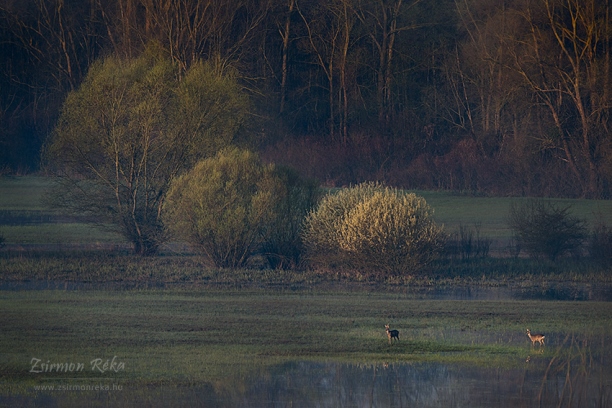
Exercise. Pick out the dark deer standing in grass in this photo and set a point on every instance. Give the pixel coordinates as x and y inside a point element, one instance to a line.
<point>391,334</point>
<point>535,338</point>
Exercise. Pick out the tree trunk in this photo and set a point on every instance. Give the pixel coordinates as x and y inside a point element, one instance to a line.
<point>285,35</point>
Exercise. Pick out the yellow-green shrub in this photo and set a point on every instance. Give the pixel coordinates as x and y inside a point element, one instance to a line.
<point>232,207</point>
<point>375,228</point>
<point>222,206</point>
<point>321,230</point>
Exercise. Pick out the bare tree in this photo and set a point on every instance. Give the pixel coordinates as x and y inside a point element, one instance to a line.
<point>285,33</point>
<point>566,62</point>
<point>188,30</point>
<point>56,38</point>
<point>330,36</point>
<point>384,20</point>
<point>482,84</point>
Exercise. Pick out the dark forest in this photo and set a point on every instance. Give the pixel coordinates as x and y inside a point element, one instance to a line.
<point>508,97</point>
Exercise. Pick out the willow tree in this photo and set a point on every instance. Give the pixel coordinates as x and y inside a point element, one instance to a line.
<point>233,207</point>
<point>130,128</point>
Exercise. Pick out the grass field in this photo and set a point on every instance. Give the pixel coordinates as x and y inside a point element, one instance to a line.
<point>185,337</point>
<point>491,213</point>
<point>22,193</point>
<point>21,198</point>
<point>24,218</point>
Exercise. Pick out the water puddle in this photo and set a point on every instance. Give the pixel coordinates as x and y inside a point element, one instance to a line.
<point>573,372</point>
<point>538,382</point>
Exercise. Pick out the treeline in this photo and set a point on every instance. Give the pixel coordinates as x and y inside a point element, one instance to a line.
<point>504,97</point>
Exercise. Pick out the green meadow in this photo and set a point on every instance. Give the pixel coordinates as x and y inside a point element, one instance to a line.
<point>491,213</point>
<point>24,219</point>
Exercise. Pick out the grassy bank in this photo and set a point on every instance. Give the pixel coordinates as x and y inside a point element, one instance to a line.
<point>188,337</point>
<point>127,270</point>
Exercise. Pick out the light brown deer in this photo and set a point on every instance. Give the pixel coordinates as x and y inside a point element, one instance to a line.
<point>391,334</point>
<point>535,338</point>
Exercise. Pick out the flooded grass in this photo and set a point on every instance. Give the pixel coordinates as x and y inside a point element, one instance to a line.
<point>562,280</point>
<point>179,333</point>
<point>186,337</point>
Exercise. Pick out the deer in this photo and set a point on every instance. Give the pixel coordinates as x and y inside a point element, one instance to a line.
<point>535,338</point>
<point>391,334</point>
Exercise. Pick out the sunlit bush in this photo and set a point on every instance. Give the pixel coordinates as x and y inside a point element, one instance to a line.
<point>373,228</point>
<point>321,231</point>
